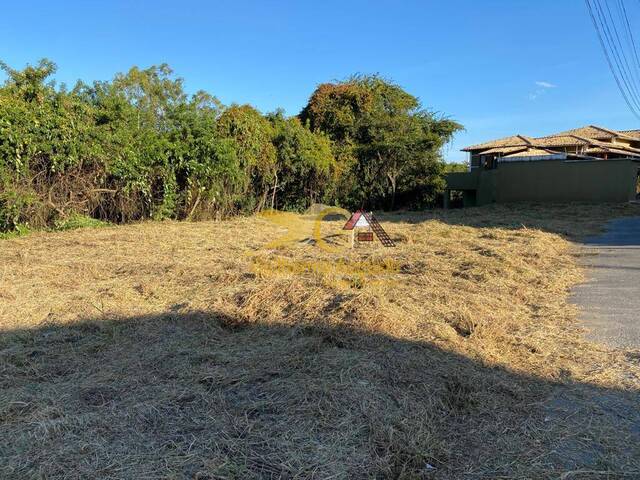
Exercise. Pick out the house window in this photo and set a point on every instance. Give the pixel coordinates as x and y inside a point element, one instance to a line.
<point>489,162</point>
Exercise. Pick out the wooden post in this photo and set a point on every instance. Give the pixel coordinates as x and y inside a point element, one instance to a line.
<point>353,237</point>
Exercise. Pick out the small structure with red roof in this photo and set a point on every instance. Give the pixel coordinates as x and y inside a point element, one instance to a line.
<point>366,220</point>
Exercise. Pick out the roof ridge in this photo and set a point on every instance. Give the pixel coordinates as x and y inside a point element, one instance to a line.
<point>563,135</point>
<point>615,132</point>
<point>613,146</point>
<point>546,149</point>
<point>540,147</point>
<point>491,143</point>
<point>609,145</point>
<point>633,134</point>
<point>525,138</point>
<point>585,139</point>
<point>533,147</point>
<point>602,128</point>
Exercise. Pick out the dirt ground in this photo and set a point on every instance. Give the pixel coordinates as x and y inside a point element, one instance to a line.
<point>219,350</point>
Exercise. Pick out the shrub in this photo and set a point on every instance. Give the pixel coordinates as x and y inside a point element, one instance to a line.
<point>79,221</point>
<point>139,147</point>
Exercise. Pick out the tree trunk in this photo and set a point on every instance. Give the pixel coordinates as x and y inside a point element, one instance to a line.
<point>273,195</point>
<point>193,208</point>
<point>392,180</point>
<point>263,200</point>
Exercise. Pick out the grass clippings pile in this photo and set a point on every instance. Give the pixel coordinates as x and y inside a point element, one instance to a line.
<point>188,350</point>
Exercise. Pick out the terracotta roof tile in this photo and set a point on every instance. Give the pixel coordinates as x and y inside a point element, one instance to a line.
<point>591,131</point>
<point>583,136</point>
<point>503,150</point>
<point>631,133</point>
<point>533,152</point>
<point>513,141</point>
<point>619,151</point>
<point>560,141</point>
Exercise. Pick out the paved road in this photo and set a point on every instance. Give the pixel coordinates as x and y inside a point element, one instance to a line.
<point>610,304</point>
<point>610,299</point>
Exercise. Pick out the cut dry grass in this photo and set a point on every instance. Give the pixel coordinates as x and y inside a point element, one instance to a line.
<point>188,350</point>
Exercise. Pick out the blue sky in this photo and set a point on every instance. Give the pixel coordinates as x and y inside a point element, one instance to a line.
<point>498,67</point>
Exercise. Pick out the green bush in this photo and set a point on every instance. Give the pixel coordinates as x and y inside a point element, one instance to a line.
<point>18,231</point>
<point>15,207</point>
<point>79,221</point>
<point>139,147</point>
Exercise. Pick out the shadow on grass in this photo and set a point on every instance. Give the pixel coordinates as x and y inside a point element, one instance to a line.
<point>199,395</point>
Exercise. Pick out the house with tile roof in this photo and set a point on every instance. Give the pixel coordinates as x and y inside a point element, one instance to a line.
<point>590,163</point>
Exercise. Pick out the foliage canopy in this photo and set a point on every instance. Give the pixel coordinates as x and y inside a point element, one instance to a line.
<point>139,146</point>
<point>388,144</point>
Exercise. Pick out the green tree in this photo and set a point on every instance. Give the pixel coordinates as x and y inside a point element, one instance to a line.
<point>252,134</point>
<point>453,167</point>
<point>46,140</point>
<point>138,146</point>
<point>386,144</point>
<point>206,165</point>
<point>29,83</point>
<point>304,164</point>
<point>133,114</point>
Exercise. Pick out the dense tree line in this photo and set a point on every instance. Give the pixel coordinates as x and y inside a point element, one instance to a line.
<point>139,147</point>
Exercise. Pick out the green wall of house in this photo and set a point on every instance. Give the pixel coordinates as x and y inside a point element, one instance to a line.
<point>549,180</point>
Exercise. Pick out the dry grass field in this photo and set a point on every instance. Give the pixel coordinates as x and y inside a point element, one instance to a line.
<point>202,351</point>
